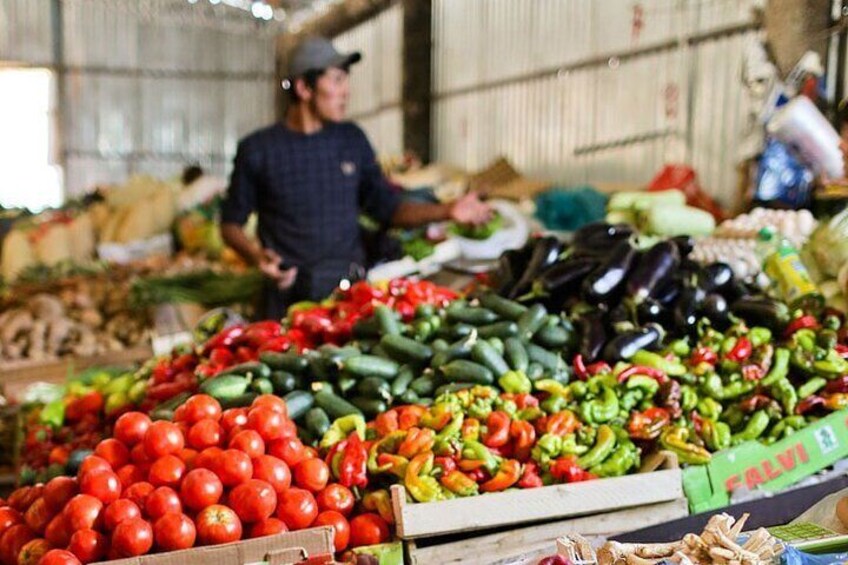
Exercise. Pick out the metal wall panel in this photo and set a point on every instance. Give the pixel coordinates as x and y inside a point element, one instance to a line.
<point>581,92</point>
<point>25,31</point>
<point>375,82</point>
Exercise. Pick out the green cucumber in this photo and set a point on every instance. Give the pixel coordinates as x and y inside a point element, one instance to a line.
<point>502,330</point>
<point>291,362</point>
<point>316,421</point>
<point>298,403</point>
<point>405,376</point>
<point>284,382</point>
<point>497,344</point>
<point>321,368</point>
<point>409,397</point>
<point>335,355</point>
<point>335,406</point>
<point>370,407</point>
<point>346,384</point>
<point>439,345</point>
<point>262,386</point>
<point>227,386</point>
<point>406,350</point>
<point>423,311</point>
<point>451,388</point>
<point>305,436</point>
<point>386,320</point>
<point>535,371</point>
<point>516,355</point>
<point>473,315</point>
<point>374,387</point>
<point>550,361</point>
<point>425,385</point>
<point>370,366</point>
<point>531,320</point>
<point>552,337</point>
<point>486,355</point>
<point>461,370</point>
<point>239,401</point>
<point>366,328</point>
<point>503,307</point>
<point>251,370</point>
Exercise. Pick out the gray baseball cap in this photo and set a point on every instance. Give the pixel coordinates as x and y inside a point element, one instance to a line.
<point>316,54</point>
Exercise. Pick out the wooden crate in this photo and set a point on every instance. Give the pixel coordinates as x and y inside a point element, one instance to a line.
<point>530,543</point>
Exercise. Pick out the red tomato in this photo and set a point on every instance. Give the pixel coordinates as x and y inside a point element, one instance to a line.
<point>187,456</point>
<point>312,474</point>
<point>336,497</point>
<point>161,501</point>
<point>368,529</point>
<point>269,527</point>
<point>266,421</point>
<point>103,485</point>
<point>132,537</point>
<point>253,501</point>
<point>341,528</point>
<point>114,452</point>
<point>13,540</point>
<point>118,511</point>
<point>201,488</point>
<point>88,545</point>
<point>179,413</point>
<point>38,515</point>
<point>130,474</point>
<point>173,532</point>
<point>297,508</point>
<point>83,511</point>
<point>205,433</point>
<point>289,449</point>
<point>59,455</point>
<point>138,493</point>
<point>58,491</point>
<point>201,406</point>
<point>138,454</point>
<point>271,401</point>
<point>208,458</point>
<point>23,497</point>
<point>32,552</point>
<point>167,471</point>
<point>9,517</point>
<point>273,471</point>
<point>248,441</point>
<point>234,417</point>
<point>218,524</point>
<point>289,429</point>
<point>59,557</point>
<point>57,531</point>
<point>163,438</point>
<point>233,468</point>
<point>310,452</point>
<point>130,428</point>
<point>93,463</point>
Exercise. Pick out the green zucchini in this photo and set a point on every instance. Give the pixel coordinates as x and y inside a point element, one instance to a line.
<point>473,315</point>
<point>406,350</point>
<point>335,355</point>
<point>456,331</point>
<point>370,365</point>
<point>531,320</point>
<point>291,362</point>
<point>335,406</point>
<point>346,384</point>
<point>316,421</point>
<point>550,361</point>
<point>497,344</point>
<point>386,320</point>
<point>503,307</point>
<point>227,386</point>
<point>423,311</point>
<point>409,397</point>
<point>251,370</point>
<point>366,327</point>
<point>461,370</point>
<point>239,401</point>
<point>502,330</point>
<point>439,345</point>
<point>298,403</point>
<point>516,355</point>
<point>425,385</point>
<point>535,371</point>
<point>552,337</point>
<point>262,386</point>
<point>284,382</point>
<point>484,354</point>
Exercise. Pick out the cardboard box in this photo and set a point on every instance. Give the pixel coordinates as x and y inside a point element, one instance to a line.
<point>767,467</point>
<point>281,549</point>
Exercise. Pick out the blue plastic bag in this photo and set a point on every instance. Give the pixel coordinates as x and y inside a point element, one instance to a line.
<point>781,178</point>
<point>793,556</point>
<point>569,209</point>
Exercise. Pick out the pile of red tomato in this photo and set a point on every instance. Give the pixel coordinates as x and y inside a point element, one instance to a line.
<point>209,477</point>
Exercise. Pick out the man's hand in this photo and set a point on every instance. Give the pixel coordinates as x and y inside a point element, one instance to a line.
<point>269,264</point>
<point>470,210</point>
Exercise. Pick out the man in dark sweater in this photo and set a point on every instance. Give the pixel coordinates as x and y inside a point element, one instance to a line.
<point>308,178</point>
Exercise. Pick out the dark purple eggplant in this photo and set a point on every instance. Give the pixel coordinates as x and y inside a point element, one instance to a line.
<point>715,276</point>
<point>604,281</point>
<point>620,319</point>
<point>686,309</point>
<point>564,276</point>
<point>593,335</point>
<point>626,345</point>
<point>685,244</point>
<point>591,235</point>
<point>546,251</point>
<point>668,292</point>
<point>762,311</point>
<point>736,290</point>
<point>715,308</point>
<point>651,311</point>
<point>653,268</point>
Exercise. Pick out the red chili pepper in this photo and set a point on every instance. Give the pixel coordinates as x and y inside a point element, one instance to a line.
<point>580,367</point>
<point>753,372</point>
<point>184,362</point>
<point>837,385</point>
<point>479,474</point>
<point>842,350</point>
<point>224,338</point>
<point>598,367</point>
<point>648,424</point>
<point>655,374</point>
<point>524,436</point>
<point>353,471</point>
<point>754,403</point>
<point>277,344</point>
<point>565,469</point>
<point>809,403</point>
<point>245,354</point>
<point>447,464</point>
<point>165,391</point>
<point>259,332</point>
<point>741,350</point>
<point>497,429</point>
<point>703,355</point>
<point>801,323</point>
<point>221,356</point>
<point>530,478</point>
